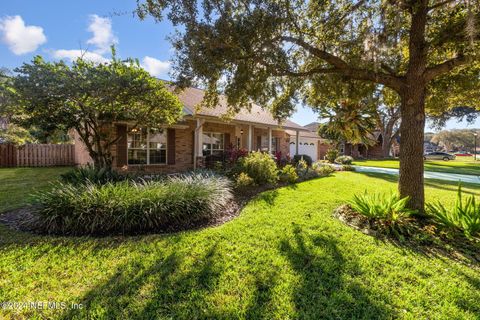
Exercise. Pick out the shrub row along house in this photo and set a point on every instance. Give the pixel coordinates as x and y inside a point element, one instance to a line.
<point>204,137</point>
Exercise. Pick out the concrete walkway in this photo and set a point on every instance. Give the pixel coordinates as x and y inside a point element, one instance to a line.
<point>428,174</point>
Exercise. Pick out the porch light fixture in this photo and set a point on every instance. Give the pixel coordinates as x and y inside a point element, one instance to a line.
<point>241,131</point>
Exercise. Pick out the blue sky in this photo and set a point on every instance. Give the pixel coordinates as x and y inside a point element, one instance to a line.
<point>62,29</point>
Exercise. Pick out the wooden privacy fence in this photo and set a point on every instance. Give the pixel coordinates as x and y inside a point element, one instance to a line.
<point>37,155</point>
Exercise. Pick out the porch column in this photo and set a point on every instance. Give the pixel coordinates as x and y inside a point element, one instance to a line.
<point>198,144</point>
<point>269,140</point>
<point>297,134</point>
<point>250,133</point>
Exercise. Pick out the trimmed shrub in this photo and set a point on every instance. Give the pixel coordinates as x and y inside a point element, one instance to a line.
<point>325,170</point>
<point>331,155</point>
<point>348,167</point>
<point>288,174</point>
<point>131,207</point>
<point>463,217</point>
<point>90,174</point>
<point>344,160</point>
<point>389,211</point>
<point>299,157</point>
<point>261,167</point>
<point>243,181</point>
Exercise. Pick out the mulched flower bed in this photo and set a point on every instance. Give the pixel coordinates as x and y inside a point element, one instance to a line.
<point>24,220</point>
<point>422,236</point>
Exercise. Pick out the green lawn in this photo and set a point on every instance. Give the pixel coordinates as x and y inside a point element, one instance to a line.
<point>17,183</point>
<point>461,165</point>
<point>284,257</point>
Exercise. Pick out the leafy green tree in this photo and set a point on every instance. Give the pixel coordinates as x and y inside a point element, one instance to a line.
<point>275,52</point>
<point>458,139</point>
<point>89,98</point>
<point>349,122</point>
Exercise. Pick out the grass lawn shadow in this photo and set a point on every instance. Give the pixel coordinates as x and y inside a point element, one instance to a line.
<point>327,287</point>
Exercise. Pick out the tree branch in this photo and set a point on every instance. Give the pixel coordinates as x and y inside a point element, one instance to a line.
<point>344,69</point>
<point>444,67</point>
<point>440,4</point>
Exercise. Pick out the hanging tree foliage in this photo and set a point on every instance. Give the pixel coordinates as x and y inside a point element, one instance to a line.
<point>273,52</point>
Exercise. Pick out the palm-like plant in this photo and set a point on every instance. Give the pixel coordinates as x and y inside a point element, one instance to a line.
<point>349,121</point>
<point>464,216</point>
<point>388,211</point>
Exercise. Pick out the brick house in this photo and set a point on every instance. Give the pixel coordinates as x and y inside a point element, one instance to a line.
<point>199,135</point>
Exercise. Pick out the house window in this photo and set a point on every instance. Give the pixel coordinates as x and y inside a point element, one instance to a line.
<point>264,143</point>
<point>213,143</point>
<point>147,146</point>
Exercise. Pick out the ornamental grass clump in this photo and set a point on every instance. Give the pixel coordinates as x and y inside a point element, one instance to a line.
<point>463,217</point>
<point>131,207</point>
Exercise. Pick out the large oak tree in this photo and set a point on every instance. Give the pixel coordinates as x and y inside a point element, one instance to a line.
<point>273,51</point>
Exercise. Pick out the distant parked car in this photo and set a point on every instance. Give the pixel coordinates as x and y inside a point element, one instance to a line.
<point>463,154</point>
<point>438,156</point>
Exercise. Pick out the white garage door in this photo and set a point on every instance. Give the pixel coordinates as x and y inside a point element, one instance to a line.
<point>305,147</point>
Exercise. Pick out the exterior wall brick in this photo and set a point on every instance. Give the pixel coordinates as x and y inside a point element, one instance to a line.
<point>184,146</point>
<point>322,150</point>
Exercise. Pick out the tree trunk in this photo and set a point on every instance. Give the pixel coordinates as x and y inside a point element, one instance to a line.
<point>412,111</point>
<point>411,146</point>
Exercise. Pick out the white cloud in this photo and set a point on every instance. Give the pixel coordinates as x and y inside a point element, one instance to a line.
<point>20,38</point>
<point>74,54</point>
<point>103,36</point>
<point>156,67</point>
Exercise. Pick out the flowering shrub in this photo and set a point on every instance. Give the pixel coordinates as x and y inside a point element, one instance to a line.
<point>260,167</point>
<point>288,174</point>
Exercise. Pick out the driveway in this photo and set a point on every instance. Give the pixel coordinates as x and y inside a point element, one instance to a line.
<point>428,174</point>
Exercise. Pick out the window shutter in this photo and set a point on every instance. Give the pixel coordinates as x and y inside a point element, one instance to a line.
<point>121,145</point>
<point>226,142</point>
<point>170,146</point>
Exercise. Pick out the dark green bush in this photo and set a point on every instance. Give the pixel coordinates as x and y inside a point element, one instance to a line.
<point>261,167</point>
<point>131,207</point>
<point>344,160</point>
<point>331,155</point>
<point>90,174</point>
<point>298,157</point>
<point>464,216</point>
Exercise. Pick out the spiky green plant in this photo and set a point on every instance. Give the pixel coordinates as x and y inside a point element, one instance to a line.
<point>389,210</point>
<point>464,216</point>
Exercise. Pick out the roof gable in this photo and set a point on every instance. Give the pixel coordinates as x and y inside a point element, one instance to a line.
<point>193,97</point>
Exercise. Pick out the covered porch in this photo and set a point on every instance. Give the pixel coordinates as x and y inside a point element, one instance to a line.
<point>210,134</point>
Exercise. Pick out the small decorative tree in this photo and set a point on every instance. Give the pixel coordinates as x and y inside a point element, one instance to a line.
<point>89,98</point>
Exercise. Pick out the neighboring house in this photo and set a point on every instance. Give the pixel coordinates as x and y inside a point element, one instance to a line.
<point>429,147</point>
<point>357,150</point>
<point>202,134</point>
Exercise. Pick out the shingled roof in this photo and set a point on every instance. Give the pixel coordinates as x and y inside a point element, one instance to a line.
<point>192,97</point>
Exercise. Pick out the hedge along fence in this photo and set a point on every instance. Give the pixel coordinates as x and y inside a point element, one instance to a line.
<point>37,155</point>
